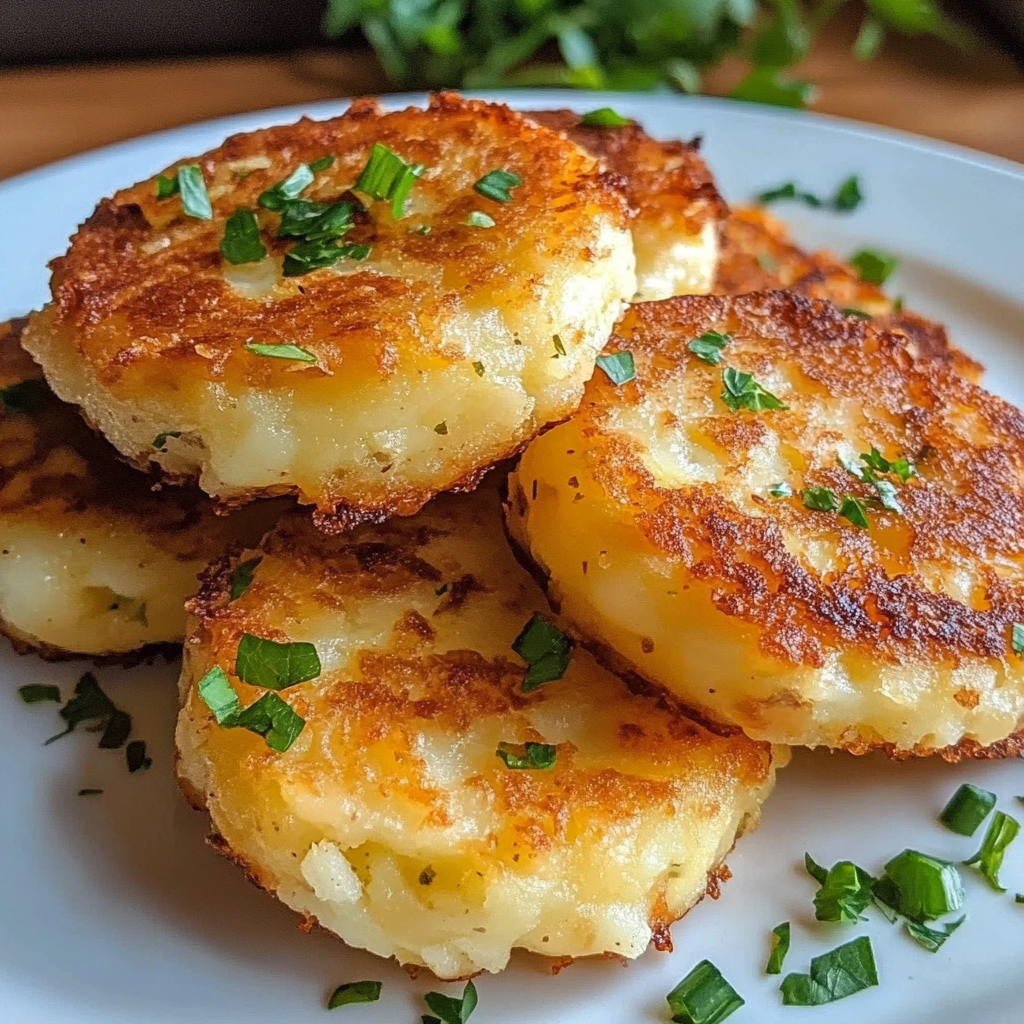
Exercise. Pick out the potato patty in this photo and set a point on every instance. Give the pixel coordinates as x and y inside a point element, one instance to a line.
<point>391,819</point>
<point>718,546</point>
<point>759,255</point>
<point>677,209</point>
<point>92,560</point>
<point>459,314</point>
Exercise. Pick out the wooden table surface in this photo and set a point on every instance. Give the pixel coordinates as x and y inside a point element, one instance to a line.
<point>920,85</point>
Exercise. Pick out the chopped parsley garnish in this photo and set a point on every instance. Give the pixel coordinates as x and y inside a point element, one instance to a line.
<point>25,397</point>
<point>387,176</point>
<point>537,756</point>
<point>743,392</point>
<point>315,222</point>
<point>873,267</point>
<point>90,792</point>
<point>319,253</point>
<point>842,972</point>
<point>619,366</point>
<point>274,665</point>
<point>968,807</point>
<point>450,1010</point>
<point>135,756</point>
<point>902,467</point>
<point>496,184</point>
<point>242,577</point>
<point>479,219</point>
<point>932,938</point>
<point>195,200</point>
<point>276,197</point>
<point>603,117</point>
<point>37,693</point>
<point>322,164</point>
<point>90,704</point>
<point>293,352</point>
<point>703,997</point>
<point>545,649</point>
<point>442,427</point>
<point>820,499</point>
<point>117,731</point>
<point>354,992</point>
<point>160,441</point>
<point>478,368</point>
<point>1002,831</point>
<point>241,242</point>
<point>847,197</point>
<point>781,490</point>
<point>857,314</point>
<point>708,347</point>
<point>844,894</point>
<point>815,870</point>
<point>780,947</point>
<point>920,887</point>
<point>166,187</point>
<point>853,509</point>
<point>219,696</point>
<point>270,717</point>
<point>420,229</point>
<point>559,347</point>
<point>1017,638</point>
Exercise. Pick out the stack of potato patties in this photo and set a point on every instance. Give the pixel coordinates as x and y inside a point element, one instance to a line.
<point>436,743</point>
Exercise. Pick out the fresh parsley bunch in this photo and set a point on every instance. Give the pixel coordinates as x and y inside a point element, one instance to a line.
<point>615,44</point>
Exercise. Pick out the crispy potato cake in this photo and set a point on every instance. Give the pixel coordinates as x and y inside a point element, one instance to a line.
<point>93,561</point>
<point>374,308</point>
<point>677,209</point>
<point>700,523</point>
<point>391,819</point>
<point>759,255</point>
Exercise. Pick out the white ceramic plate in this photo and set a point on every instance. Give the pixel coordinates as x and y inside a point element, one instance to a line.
<point>112,909</point>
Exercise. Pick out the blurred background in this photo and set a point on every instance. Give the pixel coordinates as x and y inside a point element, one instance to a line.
<point>77,75</point>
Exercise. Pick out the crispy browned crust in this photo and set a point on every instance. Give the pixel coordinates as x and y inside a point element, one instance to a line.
<point>109,487</point>
<point>667,182</point>
<point>965,750</point>
<point>108,289</point>
<point>965,506</point>
<point>759,255</point>
<point>24,644</point>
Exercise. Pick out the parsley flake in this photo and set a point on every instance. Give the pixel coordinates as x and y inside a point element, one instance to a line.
<point>844,894</point>
<point>834,975</point>
<point>559,347</point>
<point>241,242</point>
<point>932,938</point>
<point>781,490</point>
<point>496,184</point>
<point>603,117</point>
<point>136,758</point>
<point>354,992</point>
<point>37,693</point>
<point>743,392</point>
<point>545,649</point>
<point>450,1010</point>
<point>857,314</point>
<point>166,187</point>
<point>242,577</point>
<point>274,665</point>
<point>478,369</point>
<point>779,948</point>
<point>536,756</point>
<point>195,200</point>
<point>920,887</point>
<point>479,219</point>
<point>619,367</point>
<point>1017,638</point>
<point>820,499</point>
<point>847,197</point>
<point>708,347</point>
<point>293,352</point>
<point>276,197</point>
<point>160,441</point>
<point>387,176</point>
<point>90,792</point>
<point>24,397</point>
<point>873,267</point>
<point>703,997</point>
<point>853,509</point>
<point>967,808</point>
<point>1002,831</point>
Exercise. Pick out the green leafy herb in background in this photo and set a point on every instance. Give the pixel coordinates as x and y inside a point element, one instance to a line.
<point>600,44</point>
